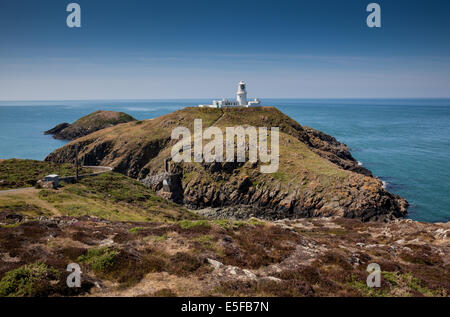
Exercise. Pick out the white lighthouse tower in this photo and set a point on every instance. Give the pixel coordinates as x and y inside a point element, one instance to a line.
<point>242,94</point>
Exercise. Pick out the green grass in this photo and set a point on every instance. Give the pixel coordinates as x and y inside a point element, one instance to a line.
<point>407,281</point>
<point>162,237</point>
<point>404,282</point>
<point>54,196</point>
<point>155,238</point>
<point>21,207</point>
<point>256,222</point>
<point>118,188</point>
<point>101,260</point>
<point>188,224</point>
<point>13,225</point>
<point>223,223</point>
<point>207,241</point>
<point>102,119</point>
<point>414,283</point>
<point>391,278</point>
<point>187,177</point>
<point>78,210</point>
<point>15,173</point>
<point>115,197</point>
<point>27,280</point>
<point>110,196</point>
<point>368,291</point>
<point>230,224</point>
<point>280,176</point>
<point>136,229</point>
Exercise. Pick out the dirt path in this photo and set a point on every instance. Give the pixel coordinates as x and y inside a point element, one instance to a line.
<point>99,169</point>
<point>18,191</point>
<point>218,119</point>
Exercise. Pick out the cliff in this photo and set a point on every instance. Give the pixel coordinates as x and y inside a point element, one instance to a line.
<point>93,122</point>
<point>317,175</point>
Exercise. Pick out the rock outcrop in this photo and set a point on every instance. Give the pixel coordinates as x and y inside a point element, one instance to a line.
<point>317,175</point>
<point>93,122</point>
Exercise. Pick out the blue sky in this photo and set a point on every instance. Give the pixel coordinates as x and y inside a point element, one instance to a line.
<point>200,49</point>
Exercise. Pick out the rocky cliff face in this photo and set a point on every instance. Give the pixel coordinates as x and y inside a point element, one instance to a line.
<point>317,175</point>
<point>93,122</point>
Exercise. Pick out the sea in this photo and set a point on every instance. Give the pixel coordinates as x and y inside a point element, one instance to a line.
<point>404,142</point>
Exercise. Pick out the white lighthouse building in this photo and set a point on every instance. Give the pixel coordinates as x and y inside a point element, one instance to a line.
<point>241,100</point>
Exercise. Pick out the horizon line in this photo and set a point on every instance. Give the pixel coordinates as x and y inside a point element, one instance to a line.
<point>202,98</point>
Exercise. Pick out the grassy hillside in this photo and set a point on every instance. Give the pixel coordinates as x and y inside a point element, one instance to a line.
<point>15,173</point>
<point>109,196</point>
<point>93,122</point>
<point>102,117</point>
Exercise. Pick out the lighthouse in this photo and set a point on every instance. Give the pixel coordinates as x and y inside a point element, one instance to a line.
<point>241,100</point>
<point>242,94</point>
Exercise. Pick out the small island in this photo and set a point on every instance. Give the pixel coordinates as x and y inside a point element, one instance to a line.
<point>93,122</point>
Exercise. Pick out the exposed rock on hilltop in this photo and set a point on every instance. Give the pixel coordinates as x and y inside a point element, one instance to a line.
<point>93,122</point>
<point>317,175</point>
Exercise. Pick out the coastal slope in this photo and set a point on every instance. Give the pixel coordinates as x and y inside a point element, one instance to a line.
<point>93,122</point>
<point>317,175</point>
<point>130,242</point>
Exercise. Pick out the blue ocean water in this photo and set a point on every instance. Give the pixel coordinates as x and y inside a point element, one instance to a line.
<point>404,142</point>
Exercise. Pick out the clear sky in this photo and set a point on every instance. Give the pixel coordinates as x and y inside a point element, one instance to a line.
<point>201,48</point>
